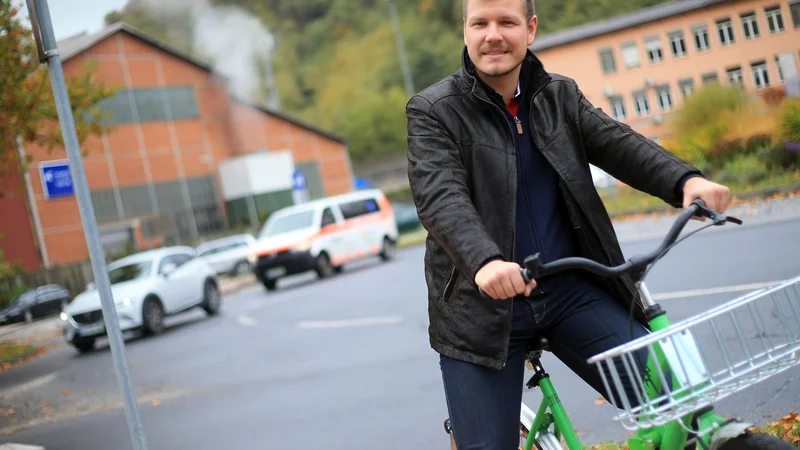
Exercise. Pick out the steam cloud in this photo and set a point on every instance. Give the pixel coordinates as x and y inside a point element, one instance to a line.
<point>231,38</point>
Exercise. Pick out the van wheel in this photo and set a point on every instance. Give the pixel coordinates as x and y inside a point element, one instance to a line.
<point>271,285</point>
<point>324,267</point>
<point>388,250</point>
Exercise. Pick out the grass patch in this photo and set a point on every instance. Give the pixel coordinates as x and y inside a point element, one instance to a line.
<point>11,350</point>
<point>623,199</point>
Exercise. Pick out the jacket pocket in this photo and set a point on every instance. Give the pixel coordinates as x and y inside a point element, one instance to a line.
<point>450,285</point>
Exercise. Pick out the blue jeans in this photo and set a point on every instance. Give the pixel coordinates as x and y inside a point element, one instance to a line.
<point>580,320</point>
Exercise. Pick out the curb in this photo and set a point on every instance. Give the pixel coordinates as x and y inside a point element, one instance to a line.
<point>13,446</point>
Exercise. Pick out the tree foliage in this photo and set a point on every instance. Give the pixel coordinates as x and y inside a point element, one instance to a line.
<point>26,96</point>
<point>337,64</point>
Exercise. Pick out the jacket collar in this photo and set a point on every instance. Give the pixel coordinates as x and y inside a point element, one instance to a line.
<point>532,76</point>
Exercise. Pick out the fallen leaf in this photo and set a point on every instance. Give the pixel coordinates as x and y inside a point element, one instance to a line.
<point>599,401</point>
<point>156,403</point>
<point>64,392</point>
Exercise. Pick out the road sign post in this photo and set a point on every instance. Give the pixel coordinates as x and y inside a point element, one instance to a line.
<point>48,51</point>
<point>299,187</point>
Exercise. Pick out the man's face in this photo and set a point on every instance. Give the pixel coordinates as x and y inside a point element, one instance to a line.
<point>497,35</point>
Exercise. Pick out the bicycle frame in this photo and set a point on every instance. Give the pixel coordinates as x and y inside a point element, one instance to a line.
<point>670,436</point>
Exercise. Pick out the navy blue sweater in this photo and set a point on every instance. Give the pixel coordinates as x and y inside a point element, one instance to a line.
<point>542,224</point>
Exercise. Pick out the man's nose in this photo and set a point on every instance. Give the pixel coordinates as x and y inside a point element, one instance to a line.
<point>494,34</point>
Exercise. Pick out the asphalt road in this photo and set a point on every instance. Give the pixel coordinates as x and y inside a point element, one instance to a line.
<point>345,363</point>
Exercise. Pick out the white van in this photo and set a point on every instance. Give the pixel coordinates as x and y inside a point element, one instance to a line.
<point>323,235</point>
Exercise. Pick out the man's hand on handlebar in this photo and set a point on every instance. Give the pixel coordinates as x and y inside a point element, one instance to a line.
<point>503,280</point>
<point>714,195</point>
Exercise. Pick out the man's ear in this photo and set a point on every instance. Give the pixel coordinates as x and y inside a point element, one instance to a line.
<point>532,26</point>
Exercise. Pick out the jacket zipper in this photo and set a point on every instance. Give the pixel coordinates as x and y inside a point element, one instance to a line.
<point>514,235</point>
<point>450,281</point>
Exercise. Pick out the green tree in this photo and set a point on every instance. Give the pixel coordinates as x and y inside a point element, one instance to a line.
<point>26,97</point>
<point>336,60</point>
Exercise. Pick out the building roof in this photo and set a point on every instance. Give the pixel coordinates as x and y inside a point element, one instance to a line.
<point>79,43</point>
<point>75,45</point>
<point>636,18</point>
<point>292,120</point>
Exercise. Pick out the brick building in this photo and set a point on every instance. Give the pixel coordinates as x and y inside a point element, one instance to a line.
<point>154,176</point>
<point>638,67</point>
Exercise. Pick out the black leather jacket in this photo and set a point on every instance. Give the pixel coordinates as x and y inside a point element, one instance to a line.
<point>462,171</point>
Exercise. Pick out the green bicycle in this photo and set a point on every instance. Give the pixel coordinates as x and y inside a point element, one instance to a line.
<point>690,365</point>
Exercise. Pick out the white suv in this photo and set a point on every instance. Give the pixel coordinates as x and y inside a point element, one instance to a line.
<point>146,287</point>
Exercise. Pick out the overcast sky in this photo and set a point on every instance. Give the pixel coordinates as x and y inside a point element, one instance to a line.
<point>74,16</point>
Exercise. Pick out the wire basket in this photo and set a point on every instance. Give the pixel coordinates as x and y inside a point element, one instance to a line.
<point>704,358</point>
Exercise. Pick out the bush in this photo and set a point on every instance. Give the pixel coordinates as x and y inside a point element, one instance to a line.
<point>789,121</point>
<point>744,169</point>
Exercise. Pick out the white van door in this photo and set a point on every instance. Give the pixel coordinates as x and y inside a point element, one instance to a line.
<point>332,238</point>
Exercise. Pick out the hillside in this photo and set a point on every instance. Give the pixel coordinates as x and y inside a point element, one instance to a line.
<point>335,62</point>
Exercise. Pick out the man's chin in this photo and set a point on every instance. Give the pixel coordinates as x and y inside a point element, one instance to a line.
<point>495,71</point>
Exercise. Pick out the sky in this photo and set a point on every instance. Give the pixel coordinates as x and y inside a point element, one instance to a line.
<point>74,16</point>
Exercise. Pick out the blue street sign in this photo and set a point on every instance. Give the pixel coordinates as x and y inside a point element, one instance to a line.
<point>298,181</point>
<point>56,179</point>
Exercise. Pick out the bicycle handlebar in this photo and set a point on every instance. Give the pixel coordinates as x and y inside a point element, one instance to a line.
<point>534,269</point>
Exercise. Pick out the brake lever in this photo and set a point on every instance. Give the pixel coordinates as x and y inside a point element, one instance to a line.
<point>716,217</point>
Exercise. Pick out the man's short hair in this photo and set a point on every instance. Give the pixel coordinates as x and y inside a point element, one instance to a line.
<point>529,9</point>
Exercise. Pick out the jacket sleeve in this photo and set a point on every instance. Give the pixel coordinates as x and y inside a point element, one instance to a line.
<point>631,158</point>
<point>438,182</point>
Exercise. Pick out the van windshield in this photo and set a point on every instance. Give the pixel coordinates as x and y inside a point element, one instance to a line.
<point>291,222</point>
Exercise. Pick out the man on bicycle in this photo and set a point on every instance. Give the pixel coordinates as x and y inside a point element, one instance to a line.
<point>499,156</point>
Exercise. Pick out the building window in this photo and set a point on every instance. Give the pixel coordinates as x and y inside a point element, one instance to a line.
<point>760,74</point>
<point>774,19</point>
<point>653,46</point>
<point>794,7</point>
<point>710,77</point>
<point>642,105</point>
<point>780,69</point>
<point>630,55</point>
<point>750,25</point>
<point>618,107</point>
<point>677,43</point>
<point>686,87</point>
<point>701,41</point>
<point>725,30</point>
<point>152,105</point>
<point>735,76</point>
<point>664,98</point>
<point>607,60</point>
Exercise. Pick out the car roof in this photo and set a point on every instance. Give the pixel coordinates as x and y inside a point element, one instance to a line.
<point>224,240</point>
<point>327,201</point>
<point>147,255</point>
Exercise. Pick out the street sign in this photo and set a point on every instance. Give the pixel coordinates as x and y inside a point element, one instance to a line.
<point>56,179</point>
<point>299,188</point>
<point>298,181</point>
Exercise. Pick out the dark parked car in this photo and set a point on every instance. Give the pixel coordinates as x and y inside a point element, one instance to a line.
<point>405,214</point>
<point>40,302</point>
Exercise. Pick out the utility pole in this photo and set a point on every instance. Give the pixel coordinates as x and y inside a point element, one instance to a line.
<point>401,49</point>
<point>47,50</point>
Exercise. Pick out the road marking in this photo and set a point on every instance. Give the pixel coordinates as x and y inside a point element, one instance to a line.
<point>716,290</point>
<point>36,382</point>
<point>367,321</point>
<point>246,321</point>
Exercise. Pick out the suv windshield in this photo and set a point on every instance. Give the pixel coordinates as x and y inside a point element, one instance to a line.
<point>129,272</point>
<point>290,222</point>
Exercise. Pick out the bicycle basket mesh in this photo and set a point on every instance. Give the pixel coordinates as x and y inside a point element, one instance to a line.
<point>704,358</point>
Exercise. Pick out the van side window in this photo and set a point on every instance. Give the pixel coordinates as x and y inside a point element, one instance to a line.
<point>327,217</point>
<point>358,208</point>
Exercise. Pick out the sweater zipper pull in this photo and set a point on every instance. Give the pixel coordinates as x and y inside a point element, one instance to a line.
<point>519,125</point>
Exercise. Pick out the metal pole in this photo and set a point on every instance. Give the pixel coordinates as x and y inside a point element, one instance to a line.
<point>40,15</point>
<point>401,49</point>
